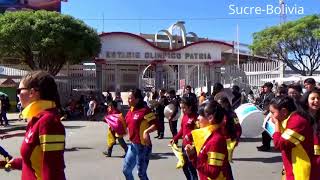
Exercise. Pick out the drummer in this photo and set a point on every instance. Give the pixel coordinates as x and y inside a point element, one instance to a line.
<point>173,120</point>
<point>267,96</point>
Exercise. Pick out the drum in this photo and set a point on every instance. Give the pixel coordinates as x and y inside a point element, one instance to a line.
<point>268,125</point>
<point>168,111</point>
<point>251,119</point>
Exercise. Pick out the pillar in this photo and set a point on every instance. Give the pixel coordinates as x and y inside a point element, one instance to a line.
<point>159,75</point>
<point>99,77</point>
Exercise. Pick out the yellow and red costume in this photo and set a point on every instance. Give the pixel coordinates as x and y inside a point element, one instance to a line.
<point>211,159</point>
<point>112,133</point>
<point>231,139</point>
<point>188,123</point>
<point>316,157</point>
<point>42,150</point>
<point>138,120</point>
<point>295,141</point>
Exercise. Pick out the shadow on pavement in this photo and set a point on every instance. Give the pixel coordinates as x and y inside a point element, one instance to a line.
<point>274,159</point>
<point>73,127</point>
<point>156,156</point>
<point>76,149</point>
<point>250,139</point>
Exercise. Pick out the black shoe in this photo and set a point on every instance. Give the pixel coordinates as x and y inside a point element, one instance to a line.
<point>106,153</point>
<point>264,148</point>
<point>156,136</point>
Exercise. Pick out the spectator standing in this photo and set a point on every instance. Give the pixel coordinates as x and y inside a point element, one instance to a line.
<point>92,109</point>
<point>173,120</point>
<point>236,100</point>
<point>4,107</point>
<point>295,91</point>
<point>162,103</point>
<point>190,94</point>
<point>266,98</point>
<point>309,84</point>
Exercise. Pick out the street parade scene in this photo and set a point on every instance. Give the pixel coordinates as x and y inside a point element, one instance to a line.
<point>124,90</point>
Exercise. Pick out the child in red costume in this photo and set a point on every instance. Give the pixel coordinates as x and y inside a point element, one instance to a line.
<point>116,130</point>
<point>188,123</point>
<point>42,150</point>
<point>209,152</point>
<point>293,137</point>
<point>311,103</point>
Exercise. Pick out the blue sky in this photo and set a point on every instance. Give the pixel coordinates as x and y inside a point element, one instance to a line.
<point>207,18</point>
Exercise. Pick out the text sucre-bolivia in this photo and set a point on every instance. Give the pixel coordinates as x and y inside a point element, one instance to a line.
<point>267,9</point>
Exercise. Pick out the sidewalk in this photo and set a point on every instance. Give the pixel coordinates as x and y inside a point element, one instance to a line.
<point>14,122</point>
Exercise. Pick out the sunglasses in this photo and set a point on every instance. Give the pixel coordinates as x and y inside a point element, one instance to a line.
<point>20,89</point>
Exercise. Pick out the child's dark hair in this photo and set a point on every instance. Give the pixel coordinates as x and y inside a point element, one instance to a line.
<point>305,106</point>
<point>212,108</point>
<point>230,115</point>
<point>137,93</point>
<point>113,104</point>
<point>45,84</point>
<point>289,104</point>
<point>190,103</point>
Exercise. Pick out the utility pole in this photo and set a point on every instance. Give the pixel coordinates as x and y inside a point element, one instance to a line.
<point>283,15</point>
<point>238,48</point>
<point>283,18</point>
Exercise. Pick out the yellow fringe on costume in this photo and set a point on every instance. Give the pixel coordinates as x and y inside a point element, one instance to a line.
<point>178,153</point>
<point>231,144</point>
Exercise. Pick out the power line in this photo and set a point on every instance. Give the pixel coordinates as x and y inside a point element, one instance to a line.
<point>187,19</point>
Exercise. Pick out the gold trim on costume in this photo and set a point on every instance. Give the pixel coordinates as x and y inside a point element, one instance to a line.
<point>294,134</point>
<point>216,155</point>
<point>51,138</point>
<point>52,147</point>
<point>316,150</point>
<point>290,138</point>
<point>215,162</point>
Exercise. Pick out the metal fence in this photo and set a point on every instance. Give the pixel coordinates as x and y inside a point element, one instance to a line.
<point>250,74</point>
<point>70,77</point>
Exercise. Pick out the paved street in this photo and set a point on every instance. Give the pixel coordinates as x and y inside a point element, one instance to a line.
<point>84,160</point>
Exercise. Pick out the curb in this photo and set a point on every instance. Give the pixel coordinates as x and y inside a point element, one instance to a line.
<point>14,128</point>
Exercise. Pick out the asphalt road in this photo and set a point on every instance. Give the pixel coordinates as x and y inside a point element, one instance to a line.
<point>85,161</point>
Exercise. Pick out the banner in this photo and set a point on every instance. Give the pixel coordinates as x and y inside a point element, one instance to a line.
<point>13,5</point>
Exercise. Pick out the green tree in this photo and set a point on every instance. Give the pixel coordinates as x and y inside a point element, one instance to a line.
<point>46,40</point>
<point>296,43</point>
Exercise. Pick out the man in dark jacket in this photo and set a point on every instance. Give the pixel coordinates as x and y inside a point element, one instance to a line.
<point>162,103</point>
<point>266,98</point>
